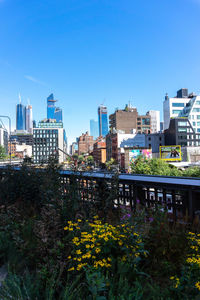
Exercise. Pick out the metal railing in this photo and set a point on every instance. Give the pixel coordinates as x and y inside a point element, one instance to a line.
<point>180,196</point>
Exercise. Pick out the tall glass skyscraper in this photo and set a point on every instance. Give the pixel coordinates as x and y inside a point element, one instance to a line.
<point>103,120</point>
<point>20,117</point>
<point>53,112</point>
<point>94,129</point>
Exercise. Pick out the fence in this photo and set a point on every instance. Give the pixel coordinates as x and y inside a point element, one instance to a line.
<point>179,195</point>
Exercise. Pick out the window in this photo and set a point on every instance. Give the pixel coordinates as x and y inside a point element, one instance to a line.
<point>182,129</point>
<point>196,109</point>
<point>198,117</point>
<point>174,111</point>
<point>178,104</point>
<point>182,123</point>
<point>198,129</point>
<point>197,102</point>
<point>146,121</point>
<point>194,123</point>
<point>198,123</point>
<point>149,138</point>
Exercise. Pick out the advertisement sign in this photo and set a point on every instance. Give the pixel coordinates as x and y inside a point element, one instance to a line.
<point>135,153</point>
<point>170,153</point>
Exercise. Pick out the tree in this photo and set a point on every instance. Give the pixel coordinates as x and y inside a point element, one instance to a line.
<point>2,152</point>
<point>154,166</point>
<point>111,164</point>
<point>90,160</point>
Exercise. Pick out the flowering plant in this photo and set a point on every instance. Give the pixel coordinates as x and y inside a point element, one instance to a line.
<point>103,246</point>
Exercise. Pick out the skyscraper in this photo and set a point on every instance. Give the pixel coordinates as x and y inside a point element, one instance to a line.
<point>94,129</point>
<point>53,112</point>
<point>29,119</point>
<point>20,117</point>
<point>103,120</point>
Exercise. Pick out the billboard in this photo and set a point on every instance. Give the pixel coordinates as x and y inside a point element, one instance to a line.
<point>170,153</point>
<point>135,153</point>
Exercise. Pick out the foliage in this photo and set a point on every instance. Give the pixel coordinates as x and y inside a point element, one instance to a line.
<point>140,256</point>
<point>2,152</point>
<point>157,166</point>
<point>104,246</point>
<point>110,165</point>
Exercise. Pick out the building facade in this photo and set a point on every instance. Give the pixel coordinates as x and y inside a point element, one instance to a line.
<point>155,120</point>
<point>172,107</point>
<point>53,112</point>
<point>99,150</point>
<point>181,132</point>
<point>129,122</point>
<point>4,138</point>
<point>144,124</point>
<point>49,141</point>
<point>20,117</point>
<point>125,120</point>
<point>85,143</point>
<point>102,120</point>
<point>29,119</point>
<point>94,129</point>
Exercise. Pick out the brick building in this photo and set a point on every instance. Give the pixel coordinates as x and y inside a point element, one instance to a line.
<point>99,150</point>
<point>129,121</point>
<point>85,143</point>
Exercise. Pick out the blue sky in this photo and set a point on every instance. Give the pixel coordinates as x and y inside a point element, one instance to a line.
<point>89,52</point>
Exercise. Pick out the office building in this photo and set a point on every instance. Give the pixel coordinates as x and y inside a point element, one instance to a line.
<point>85,143</point>
<point>53,112</point>
<point>94,129</point>
<point>102,120</point>
<point>181,132</point>
<point>49,140</point>
<point>20,117</point>
<point>29,119</point>
<point>172,107</point>
<point>155,120</point>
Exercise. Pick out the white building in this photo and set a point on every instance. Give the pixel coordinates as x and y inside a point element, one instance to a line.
<point>172,107</point>
<point>155,120</point>
<point>49,139</point>
<point>4,138</point>
<point>29,119</point>
<point>192,112</point>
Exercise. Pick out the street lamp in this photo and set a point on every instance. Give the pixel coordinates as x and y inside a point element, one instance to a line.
<point>9,132</point>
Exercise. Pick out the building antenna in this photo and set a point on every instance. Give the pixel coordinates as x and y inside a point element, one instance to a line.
<point>20,99</point>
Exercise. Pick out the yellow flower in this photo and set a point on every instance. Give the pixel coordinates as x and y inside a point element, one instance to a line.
<point>78,251</point>
<point>69,257</point>
<point>120,243</point>
<point>197,285</point>
<point>71,269</point>
<point>97,250</point>
<point>66,228</point>
<point>79,220</point>
<point>87,246</point>
<point>70,229</point>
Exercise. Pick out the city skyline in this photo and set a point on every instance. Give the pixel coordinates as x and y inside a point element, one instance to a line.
<point>94,52</point>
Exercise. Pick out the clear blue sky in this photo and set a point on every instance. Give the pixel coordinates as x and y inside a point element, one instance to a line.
<point>91,51</point>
